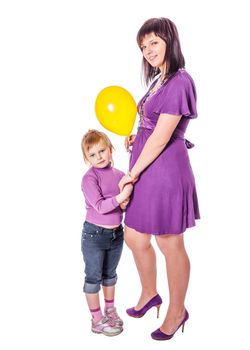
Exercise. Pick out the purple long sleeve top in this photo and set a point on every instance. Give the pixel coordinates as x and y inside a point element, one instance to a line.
<point>100,187</point>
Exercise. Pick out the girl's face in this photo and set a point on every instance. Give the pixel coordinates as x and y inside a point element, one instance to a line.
<point>154,49</point>
<point>99,155</point>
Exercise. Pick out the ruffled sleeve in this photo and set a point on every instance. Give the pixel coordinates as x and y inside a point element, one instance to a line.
<point>178,96</point>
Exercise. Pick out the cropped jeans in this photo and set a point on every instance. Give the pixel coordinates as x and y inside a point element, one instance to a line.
<point>101,249</point>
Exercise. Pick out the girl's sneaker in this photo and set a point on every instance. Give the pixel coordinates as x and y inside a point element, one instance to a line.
<point>112,314</point>
<point>106,327</point>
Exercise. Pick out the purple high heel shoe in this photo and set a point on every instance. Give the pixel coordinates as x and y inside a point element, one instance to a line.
<point>155,301</point>
<point>159,335</point>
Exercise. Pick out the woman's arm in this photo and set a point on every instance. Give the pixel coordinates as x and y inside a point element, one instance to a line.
<point>156,143</point>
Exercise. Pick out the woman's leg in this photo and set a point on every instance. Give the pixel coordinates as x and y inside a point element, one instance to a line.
<point>178,270</point>
<point>144,256</point>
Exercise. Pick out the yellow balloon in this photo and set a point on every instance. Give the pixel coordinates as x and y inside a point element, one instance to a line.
<point>116,110</point>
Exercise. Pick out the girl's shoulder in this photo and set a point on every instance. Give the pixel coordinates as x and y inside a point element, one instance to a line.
<point>96,172</point>
<point>88,178</point>
<point>90,173</point>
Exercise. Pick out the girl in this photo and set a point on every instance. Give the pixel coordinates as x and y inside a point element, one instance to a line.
<point>102,234</point>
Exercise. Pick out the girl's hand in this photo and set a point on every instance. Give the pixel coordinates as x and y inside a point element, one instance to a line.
<point>129,140</point>
<point>124,204</point>
<point>127,190</point>
<point>125,193</point>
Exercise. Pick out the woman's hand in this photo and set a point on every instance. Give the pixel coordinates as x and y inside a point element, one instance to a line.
<point>129,140</point>
<point>126,179</point>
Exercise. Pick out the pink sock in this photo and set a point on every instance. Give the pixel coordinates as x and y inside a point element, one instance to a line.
<point>109,303</point>
<point>96,314</point>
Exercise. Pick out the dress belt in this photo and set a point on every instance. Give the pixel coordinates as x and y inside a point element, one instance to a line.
<point>177,134</point>
<point>180,135</point>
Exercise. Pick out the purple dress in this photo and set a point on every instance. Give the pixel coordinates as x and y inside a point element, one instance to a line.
<point>164,200</point>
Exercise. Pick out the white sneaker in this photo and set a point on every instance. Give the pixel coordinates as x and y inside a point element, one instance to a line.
<point>112,314</point>
<point>106,327</point>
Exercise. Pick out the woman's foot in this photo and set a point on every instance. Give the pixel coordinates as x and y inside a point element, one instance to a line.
<point>144,299</point>
<point>172,321</point>
<point>158,334</point>
<point>155,301</point>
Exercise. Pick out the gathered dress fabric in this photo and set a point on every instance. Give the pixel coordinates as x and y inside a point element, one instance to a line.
<point>164,200</point>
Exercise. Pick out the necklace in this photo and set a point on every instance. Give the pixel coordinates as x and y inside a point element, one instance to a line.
<point>148,95</point>
<point>159,83</point>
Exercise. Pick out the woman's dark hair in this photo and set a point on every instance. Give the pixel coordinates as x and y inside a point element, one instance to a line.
<point>167,31</point>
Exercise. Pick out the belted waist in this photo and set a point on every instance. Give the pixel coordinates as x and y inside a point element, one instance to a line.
<point>177,134</point>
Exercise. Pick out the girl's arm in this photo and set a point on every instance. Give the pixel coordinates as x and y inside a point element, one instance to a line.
<point>94,196</point>
<point>124,204</point>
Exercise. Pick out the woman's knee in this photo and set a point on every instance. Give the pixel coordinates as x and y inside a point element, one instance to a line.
<point>170,243</point>
<point>136,240</point>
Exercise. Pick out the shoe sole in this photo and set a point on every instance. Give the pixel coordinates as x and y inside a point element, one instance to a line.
<point>139,316</point>
<point>107,334</point>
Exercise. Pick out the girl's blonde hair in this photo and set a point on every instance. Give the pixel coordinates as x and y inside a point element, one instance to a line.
<point>91,138</point>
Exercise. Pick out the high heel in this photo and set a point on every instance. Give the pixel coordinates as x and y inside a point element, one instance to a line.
<point>159,335</point>
<point>155,301</point>
<point>158,310</point>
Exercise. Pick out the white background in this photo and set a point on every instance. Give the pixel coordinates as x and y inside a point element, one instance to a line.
<point>55,58</point>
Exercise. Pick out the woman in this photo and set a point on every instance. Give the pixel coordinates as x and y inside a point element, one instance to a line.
<point>164,201</point>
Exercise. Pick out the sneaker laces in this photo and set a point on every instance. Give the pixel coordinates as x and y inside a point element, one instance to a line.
<point>112,313</point>
<point>108,321</point>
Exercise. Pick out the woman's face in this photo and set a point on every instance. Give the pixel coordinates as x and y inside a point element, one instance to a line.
<point>154,49</point>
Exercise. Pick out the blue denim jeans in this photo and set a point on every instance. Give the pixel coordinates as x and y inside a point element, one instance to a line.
<point>101,248</point>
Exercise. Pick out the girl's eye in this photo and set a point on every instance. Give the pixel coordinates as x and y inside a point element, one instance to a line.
<point>102,150</point>
<point>91,155</point>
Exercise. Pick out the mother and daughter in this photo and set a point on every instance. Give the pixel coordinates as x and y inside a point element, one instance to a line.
<point>158,194</point>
